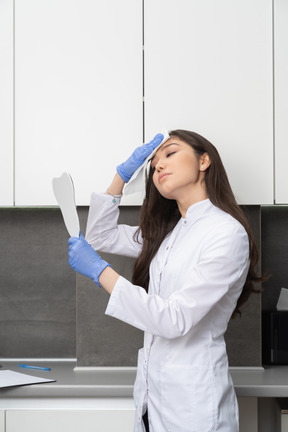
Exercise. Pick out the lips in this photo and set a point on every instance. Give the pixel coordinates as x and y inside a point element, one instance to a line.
<point>162,176</point>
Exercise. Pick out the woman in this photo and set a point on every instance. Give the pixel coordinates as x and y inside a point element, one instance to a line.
<point>194,269</point>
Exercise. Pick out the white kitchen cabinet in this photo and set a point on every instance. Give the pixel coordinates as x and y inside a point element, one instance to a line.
<point>108,419</point>
<point>284,422</point>
<point>248,414</point>
<point>6,102</point>
<point>68,420</point>
<point>281,100</point>
<point>208,68</point>
<point>78,93</point>
<point>2,421</point>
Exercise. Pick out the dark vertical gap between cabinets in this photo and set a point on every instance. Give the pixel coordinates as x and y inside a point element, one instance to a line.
<point>273,102</point>
<point>143,72</point>
<point>14,129</point>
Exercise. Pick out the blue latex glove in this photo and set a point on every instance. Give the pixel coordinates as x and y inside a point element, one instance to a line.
<point>127,169</point>
<point>85,260</point>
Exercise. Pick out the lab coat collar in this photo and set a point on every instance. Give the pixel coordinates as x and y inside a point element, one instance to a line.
<point>195,211</point>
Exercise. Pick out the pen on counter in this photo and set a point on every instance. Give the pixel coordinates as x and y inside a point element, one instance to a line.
<point>33,367</point>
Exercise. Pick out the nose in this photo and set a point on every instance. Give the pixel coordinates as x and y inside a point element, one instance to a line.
<point>159,165</point>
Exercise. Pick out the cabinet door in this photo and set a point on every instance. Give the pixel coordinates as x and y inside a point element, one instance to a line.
<point>2,421</point>
<point>281,100</point>
<point>78,100</point>
<point>248,414</point>
<point>72,421</point>
<point>6,102</point>
<point>208,68</point>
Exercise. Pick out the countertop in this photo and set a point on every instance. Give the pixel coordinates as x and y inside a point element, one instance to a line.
<point>73,382</point>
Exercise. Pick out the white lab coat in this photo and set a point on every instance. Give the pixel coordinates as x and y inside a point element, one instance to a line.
<point>196,278</point>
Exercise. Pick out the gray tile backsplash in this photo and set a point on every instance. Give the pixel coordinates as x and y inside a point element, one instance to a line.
<point>103,340</point>
<point>37,286</point>
<point>243,336</point>
<point>39,294</point>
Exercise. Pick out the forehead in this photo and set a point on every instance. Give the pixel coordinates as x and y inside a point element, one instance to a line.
<point>167,144</point>
<point>170,141</point>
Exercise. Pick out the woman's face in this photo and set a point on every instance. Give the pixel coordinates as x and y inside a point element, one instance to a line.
<point>178,173</point>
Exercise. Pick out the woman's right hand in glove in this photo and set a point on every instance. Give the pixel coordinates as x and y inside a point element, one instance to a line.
<point>127,169</point>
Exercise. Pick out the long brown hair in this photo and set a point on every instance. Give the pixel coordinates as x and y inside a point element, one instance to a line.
<point>159,215</point>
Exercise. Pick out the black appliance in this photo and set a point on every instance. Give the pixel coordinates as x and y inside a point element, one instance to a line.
<point>275,337</point>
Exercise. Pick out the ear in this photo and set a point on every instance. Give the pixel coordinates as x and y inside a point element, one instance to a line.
<point>205,162</point>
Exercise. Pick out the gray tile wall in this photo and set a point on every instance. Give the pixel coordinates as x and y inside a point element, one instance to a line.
<point>37,286</point>
<point>101,339</point>
<point>39,293</point>
<point>243,336</point>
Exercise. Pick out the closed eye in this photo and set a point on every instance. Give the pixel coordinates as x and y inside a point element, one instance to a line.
<point>170,154</point>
